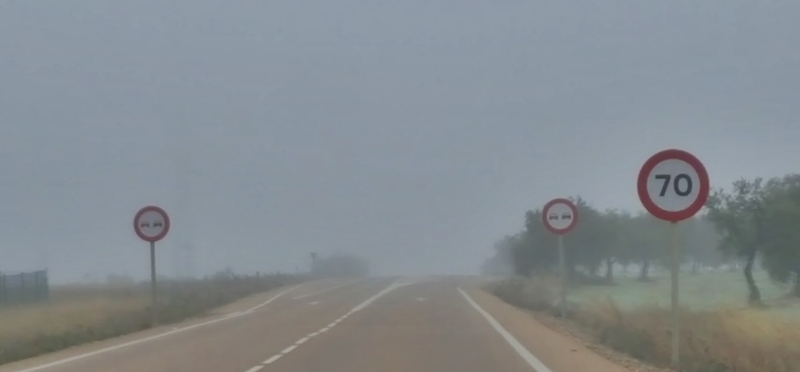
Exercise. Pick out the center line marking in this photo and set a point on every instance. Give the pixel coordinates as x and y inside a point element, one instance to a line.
<point>363,305</point>
<point>273,359</point>
<point>289,349</point>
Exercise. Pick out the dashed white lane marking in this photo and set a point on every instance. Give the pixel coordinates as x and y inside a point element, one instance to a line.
<point>380,294</point>
<point>363,305</point>
<point>154,337</point>
<point>328,289</point>
<point>289,349</point>
<point>273,359</point>
<point>255,369</point>
<point>534,362</point>
<point>313,303</point>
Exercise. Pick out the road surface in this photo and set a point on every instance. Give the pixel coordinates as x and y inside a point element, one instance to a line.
<point>379,324</point>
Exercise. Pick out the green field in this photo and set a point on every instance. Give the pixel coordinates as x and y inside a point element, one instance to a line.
<point>704,291</point>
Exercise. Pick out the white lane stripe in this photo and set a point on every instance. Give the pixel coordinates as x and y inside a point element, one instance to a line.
<point>303,340</point>
<point>150,338</point>
<point>265,303</point>
<point>234,314</point>
<point>380,294</point>
<point>331,325</point>
<point>534,362</point>
<point>255,369</point>
<point>273,359</point>
<point>289,349</point>
<point>328,289</point>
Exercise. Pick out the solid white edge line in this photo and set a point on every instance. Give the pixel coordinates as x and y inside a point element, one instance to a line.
<point>150,338</point>
<point>255,369</point>
<point>273,359</point>
<point>534,362</point>
<point>328,289</point>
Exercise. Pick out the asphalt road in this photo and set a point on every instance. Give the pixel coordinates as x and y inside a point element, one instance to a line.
<point>377,324</point>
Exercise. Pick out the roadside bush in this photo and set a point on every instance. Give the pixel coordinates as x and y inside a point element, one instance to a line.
<point>534,294</point>
<point>77,315</point>
<point>725,340</point>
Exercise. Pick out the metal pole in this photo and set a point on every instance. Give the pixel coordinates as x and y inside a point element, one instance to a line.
<point>154,308</point>
<point>675,320</point>
<point>563,267</point>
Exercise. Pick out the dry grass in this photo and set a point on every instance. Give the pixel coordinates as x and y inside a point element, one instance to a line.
<point>80,314</point>
<point>721,340</point>
<point>59,317</point>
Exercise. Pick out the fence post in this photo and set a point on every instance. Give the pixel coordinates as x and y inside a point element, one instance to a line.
<point>22,288</point>
<point>4,297</point>
<point>46,285</point>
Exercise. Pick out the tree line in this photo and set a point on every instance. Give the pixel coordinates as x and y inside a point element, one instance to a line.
<point>340,265</point>
<point>754,223</point>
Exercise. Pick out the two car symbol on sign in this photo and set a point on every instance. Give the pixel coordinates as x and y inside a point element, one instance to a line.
<point>564,216</point>
<point>155,224</point>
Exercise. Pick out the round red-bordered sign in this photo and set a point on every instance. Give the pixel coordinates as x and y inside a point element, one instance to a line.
<point>151,223</point>
<point>560,216</point>
<point>673,185</point>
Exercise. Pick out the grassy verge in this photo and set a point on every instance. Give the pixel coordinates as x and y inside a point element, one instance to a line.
<point>81,314</point>
<point>718,340</point>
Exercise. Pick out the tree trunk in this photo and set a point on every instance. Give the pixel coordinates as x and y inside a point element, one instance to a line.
<point>644,274</point>
<point>755,294</point>
<point>796,290</point>
<point>609,270</point>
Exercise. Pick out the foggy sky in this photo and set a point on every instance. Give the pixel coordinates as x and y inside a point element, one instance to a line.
<point>414,133</point>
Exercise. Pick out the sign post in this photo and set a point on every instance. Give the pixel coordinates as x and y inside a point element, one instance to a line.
<point>151,224</point>
<point>673,185</point>
<point>560,216</point>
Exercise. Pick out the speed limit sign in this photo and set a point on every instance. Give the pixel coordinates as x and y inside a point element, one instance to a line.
<point>673,185</point>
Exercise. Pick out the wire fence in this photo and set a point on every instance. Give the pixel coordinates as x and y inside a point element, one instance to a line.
<point>23,287</point>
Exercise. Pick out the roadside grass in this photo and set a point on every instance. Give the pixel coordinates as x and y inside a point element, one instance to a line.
<point>703,291</point>
<point>718,334</point>
<point>79,314</point>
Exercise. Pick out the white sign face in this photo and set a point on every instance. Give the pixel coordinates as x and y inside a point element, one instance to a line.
<point>559,216</point>
<point>151,224</point>
<point>673,185</point>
